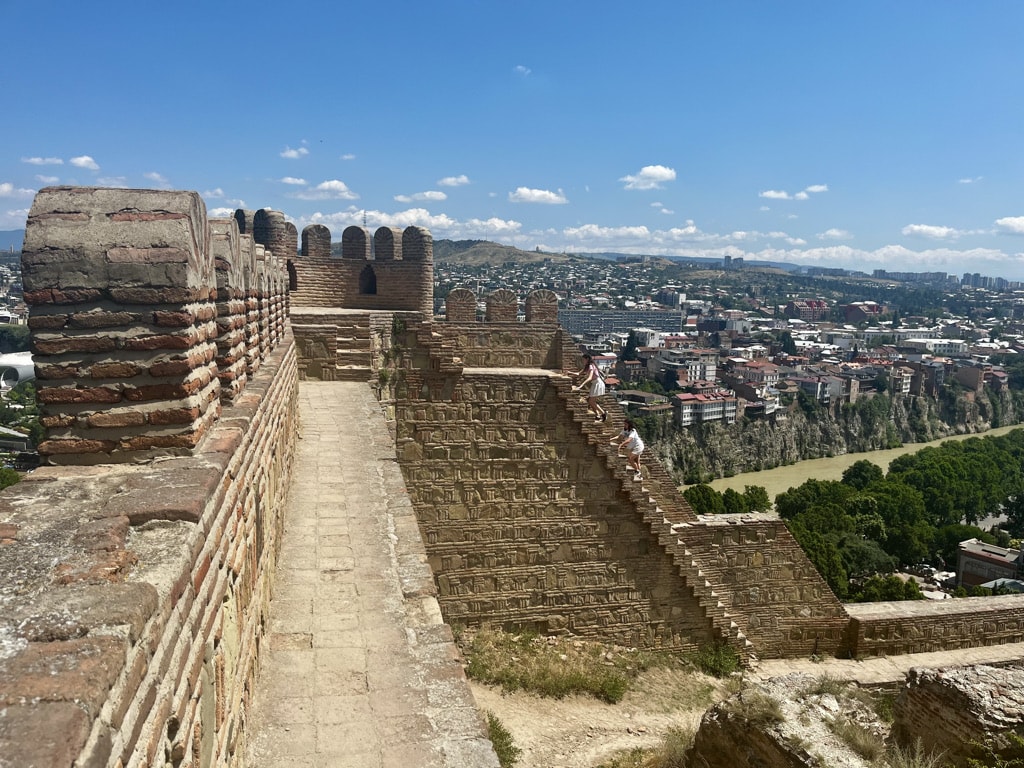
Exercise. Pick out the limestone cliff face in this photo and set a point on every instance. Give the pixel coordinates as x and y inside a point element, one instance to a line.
<point>706,451</point>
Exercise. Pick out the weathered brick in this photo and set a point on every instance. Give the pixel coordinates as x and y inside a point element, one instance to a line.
<point>69,344</point>
<point>116,419</point>
<point>79,395</point>
<point>81,670</point>
<point>42,734</point>
<point>76,445</point>
<point>173,416</point>
<point>47,322</point>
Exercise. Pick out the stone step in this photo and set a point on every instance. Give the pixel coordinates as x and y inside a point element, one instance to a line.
<point>353,357</point>
<point>353,373</point>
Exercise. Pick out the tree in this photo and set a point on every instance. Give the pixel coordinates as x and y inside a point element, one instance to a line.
<point>734,502</point>
<point>787,343</point>
<point>757,498</point>
<point>885,588</point>
<point>825,557</point>
<point>704,499</point>
<point>861,474</point>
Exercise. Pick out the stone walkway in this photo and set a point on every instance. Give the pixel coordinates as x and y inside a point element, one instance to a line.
<point>890,670</point>
<point>360,671</point>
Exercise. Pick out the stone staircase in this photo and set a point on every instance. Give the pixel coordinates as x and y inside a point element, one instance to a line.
<point>662,507</point>
<point>353,355</point>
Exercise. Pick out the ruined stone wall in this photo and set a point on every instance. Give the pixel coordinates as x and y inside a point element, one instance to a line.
<point>964,712</point>
<point>770,587</point>
<point>919,626</point>
<point>393,270</point>
<point>134,596</point>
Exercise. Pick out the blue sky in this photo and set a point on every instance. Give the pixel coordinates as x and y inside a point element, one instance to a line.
<point>859,134</point>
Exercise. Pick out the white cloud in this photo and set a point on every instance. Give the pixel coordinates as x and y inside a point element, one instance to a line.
<point>931,231</point>
<point>431,195</point>
<point>13,219</point>
<point>597,232</point>
<point>293,180</point>
<point>804,194</point>
<point>112,181</point>
<point>328,190</point>
<point>347,156</point>
<point>47,179</point>
<point>294,154</point>
<point>218,194</point>
<point>157,178</point>
<point>42,160</point>
<point>650,177</point>
<point>9,190</point>
<point>453,181</point>
<point>84,161</point>
<point>1011,225</point>
<point>667,211</point>
<point>221,213</point>
<point>835,234</point>
<point>519,69</point>
<point>975,180</point>
<point>527,195</point>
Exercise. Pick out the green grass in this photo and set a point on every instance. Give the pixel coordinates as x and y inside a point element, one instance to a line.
<point>531,663</point>
<point>716,659</point>
<point>671,754</point>
<point>756,707</point>
<point>506,750</point>
<point>914,757</point>
<point>865,743</point>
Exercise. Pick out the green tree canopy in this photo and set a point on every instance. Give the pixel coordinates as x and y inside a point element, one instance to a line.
<point>704,499</point>
<point>862,473</point>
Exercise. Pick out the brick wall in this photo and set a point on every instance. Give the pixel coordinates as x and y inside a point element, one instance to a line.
<point>134,595</point>
<point>770,587</point>
<point>392,271</point>
<point>526,526</point>
<point>919,626</point>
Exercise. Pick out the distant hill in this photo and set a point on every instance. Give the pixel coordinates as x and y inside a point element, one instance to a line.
<point>14,237</point>
<point>480,252</point>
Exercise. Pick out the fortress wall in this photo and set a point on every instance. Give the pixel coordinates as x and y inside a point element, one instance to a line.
<point>769,586</point>
<point>134,595</point>
<point>391,271</point>
<point>506,345</point>
<point>919,626</point>
<point>132,304</point>
<point>524,524</point>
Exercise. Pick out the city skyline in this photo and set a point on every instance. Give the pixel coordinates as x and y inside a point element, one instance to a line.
<point>856,136</point>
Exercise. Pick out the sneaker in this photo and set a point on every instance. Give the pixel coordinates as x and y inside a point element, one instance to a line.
<point>637,477</point>
<point>604,416</point>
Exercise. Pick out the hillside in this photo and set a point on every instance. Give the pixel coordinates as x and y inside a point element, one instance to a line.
<point>481,252</point>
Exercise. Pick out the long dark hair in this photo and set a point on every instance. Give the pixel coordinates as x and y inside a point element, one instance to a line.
<point>627,425</point>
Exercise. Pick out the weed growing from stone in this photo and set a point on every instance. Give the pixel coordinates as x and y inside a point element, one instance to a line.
<point>864,742</point>
<point>506,750</point>
<point>716,659</point>
<point>914,757</point>
<point>756,707</point>
<point>826,686</point>
<point>672,753</point>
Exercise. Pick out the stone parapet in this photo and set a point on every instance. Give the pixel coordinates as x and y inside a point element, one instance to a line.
<point>134,597</point>
<point>918,626</point>
<point>136,320</point>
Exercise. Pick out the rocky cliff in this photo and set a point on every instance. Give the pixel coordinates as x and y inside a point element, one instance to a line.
<point>807,430</point>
